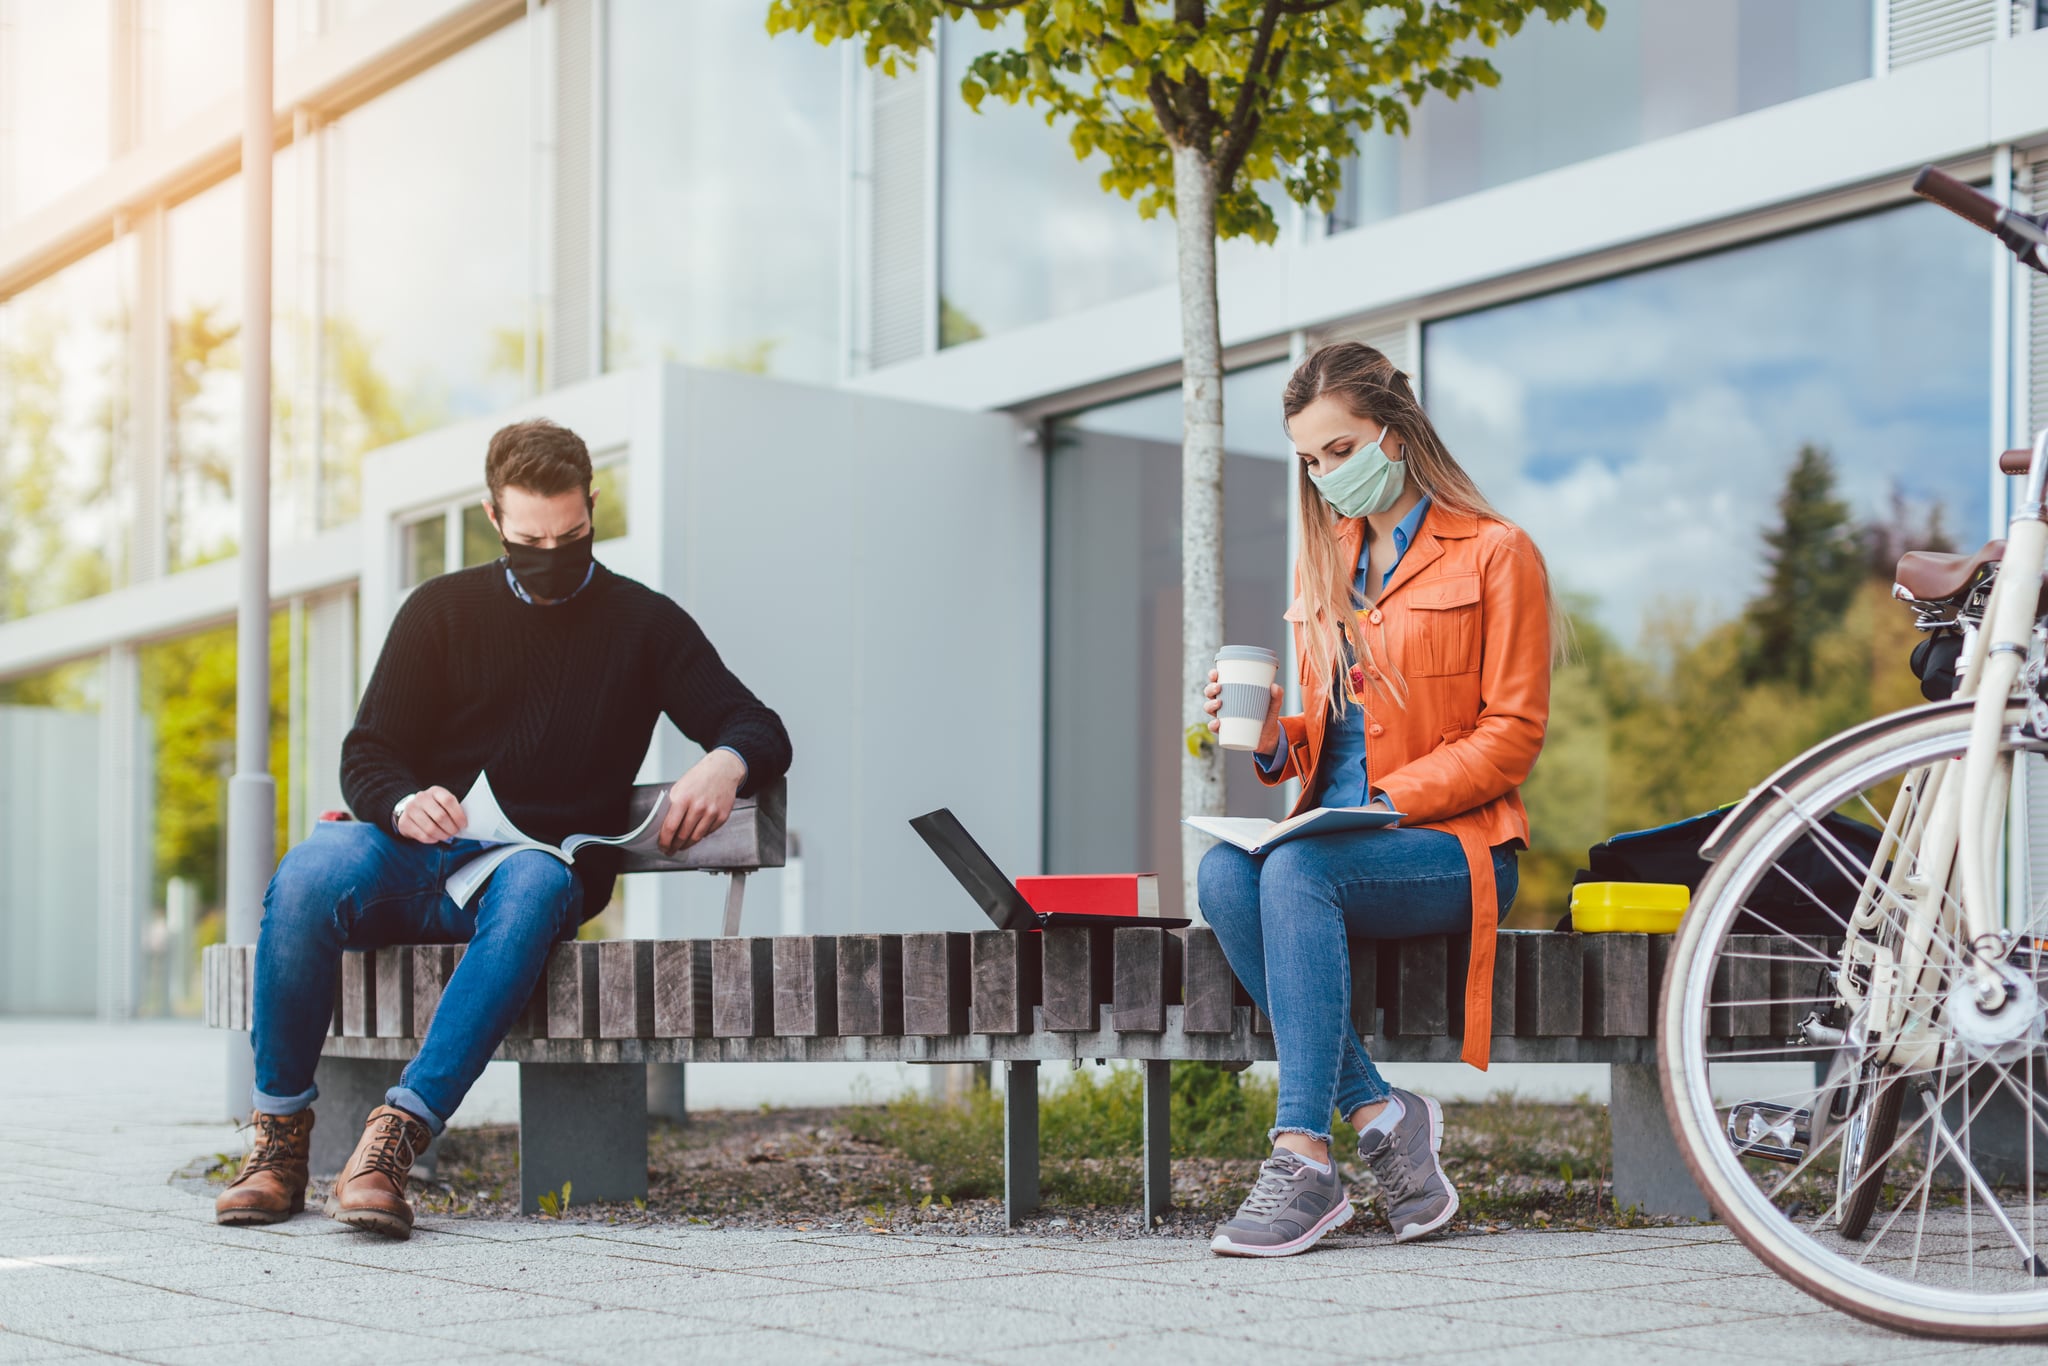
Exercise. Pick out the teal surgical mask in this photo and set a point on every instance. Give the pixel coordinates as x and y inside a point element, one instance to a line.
<point>1366,483</point>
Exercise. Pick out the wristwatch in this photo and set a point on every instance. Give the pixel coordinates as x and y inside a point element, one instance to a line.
<point>398,811</point>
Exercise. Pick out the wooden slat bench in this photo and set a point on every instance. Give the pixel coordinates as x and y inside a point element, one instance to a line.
<point>606,1009</point>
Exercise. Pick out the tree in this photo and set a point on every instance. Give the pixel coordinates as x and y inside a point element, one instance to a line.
<point>1193,106</point>
<point>1816,560</point>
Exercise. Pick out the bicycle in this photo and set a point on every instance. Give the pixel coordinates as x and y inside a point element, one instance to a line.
<point>1863,930</point>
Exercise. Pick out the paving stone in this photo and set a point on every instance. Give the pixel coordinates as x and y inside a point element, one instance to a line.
<point>1809,1337</point>
<point>1570,1311</point>
<point>750,1348</point>
<point>1049,1327</point>
<point>17,1349</point>
<point>128,1263</point>
<point>1403,1333</point>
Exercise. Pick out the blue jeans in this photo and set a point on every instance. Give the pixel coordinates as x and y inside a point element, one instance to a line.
<point>1283,919</point>
<point>351,886</point>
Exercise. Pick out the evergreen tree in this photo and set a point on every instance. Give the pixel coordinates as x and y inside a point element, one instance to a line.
<point>1815,564</point>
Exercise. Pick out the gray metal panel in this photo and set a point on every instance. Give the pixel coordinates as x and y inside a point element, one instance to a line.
<point>50,861</point>
<point>330,693</point>
<point>1916,30</point>
<point>889,526</point>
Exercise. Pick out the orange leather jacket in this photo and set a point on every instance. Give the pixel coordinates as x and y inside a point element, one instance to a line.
<point>1466,621</point>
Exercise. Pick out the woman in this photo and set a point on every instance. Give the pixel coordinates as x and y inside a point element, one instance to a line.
<point>1423,625</point>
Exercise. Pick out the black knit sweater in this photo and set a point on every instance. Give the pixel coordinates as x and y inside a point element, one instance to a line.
<point>557,701</point>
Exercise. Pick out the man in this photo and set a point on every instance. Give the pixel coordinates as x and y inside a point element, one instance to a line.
<point>549,672</point>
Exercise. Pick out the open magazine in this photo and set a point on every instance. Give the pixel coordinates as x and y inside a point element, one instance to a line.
<point>1256,836</point>
<point>487,822</point>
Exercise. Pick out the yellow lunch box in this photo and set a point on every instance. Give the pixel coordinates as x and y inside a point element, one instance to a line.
<point>1628,907</point>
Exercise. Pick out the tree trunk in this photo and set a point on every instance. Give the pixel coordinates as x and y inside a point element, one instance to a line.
<point>1201,492</point>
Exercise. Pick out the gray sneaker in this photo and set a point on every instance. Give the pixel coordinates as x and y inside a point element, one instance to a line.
<point>1419,1198</point>
<point>1289,1208</point>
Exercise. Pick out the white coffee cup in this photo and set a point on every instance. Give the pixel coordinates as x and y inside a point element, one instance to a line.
<point>1246,673</point>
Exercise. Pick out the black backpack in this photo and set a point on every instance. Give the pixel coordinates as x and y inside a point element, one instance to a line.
<point>1810,892</point>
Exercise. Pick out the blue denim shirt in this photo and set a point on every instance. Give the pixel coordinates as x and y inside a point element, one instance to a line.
<point>1341,779</point>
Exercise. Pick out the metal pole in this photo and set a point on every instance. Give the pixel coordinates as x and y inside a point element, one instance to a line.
<point>252,795</point>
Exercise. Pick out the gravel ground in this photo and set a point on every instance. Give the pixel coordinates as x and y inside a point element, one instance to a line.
<point>1518,1166</point>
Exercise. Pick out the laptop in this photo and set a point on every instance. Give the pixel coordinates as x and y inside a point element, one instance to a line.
<point>997,896</point>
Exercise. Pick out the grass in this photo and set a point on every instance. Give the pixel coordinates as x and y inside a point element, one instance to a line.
<point>1091,1131</point>
<point>1516,1162</point>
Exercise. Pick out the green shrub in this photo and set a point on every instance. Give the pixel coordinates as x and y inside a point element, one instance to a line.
<point>962,1144</point>
<point>1091,1129</point>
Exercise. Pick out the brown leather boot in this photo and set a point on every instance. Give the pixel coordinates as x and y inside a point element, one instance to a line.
<point>271,1186</point>
<point>370,1192</point>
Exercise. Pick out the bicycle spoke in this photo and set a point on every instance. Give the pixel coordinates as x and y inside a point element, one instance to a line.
<point>1828,947</point>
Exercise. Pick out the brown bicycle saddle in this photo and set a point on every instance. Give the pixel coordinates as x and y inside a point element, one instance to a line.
<point>1934,577</point>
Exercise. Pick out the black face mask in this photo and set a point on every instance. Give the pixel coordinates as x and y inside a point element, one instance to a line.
<point>550,571</point>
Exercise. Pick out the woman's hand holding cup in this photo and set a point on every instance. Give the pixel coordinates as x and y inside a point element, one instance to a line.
<point>1233,703</point>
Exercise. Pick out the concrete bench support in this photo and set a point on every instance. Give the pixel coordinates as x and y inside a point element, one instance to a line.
<point>1649,1172</point>
<point>584,1124</point>
<point>1020,1141</point>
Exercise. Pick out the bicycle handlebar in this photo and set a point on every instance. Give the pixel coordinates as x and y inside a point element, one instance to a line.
<point>2017,461</point>
<point>1962,200</point>
<point>2022,234</point>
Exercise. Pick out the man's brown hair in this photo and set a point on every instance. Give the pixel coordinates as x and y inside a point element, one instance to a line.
<point>539,456</point>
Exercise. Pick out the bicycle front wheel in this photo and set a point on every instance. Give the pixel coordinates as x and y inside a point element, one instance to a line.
<point>1858,1124</point>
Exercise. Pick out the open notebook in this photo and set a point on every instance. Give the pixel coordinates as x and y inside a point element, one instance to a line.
<point>1256,836</point>
<point>489,823</point>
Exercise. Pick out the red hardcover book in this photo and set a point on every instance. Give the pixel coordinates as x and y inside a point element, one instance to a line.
<point>1132,894</point>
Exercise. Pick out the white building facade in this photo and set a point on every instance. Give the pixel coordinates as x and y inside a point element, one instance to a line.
<point>883,392</point>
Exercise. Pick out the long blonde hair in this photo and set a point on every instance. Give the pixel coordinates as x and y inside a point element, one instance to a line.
<point>1372,387</point>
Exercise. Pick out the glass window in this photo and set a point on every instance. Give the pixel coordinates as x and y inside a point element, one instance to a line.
<point>50,853</point>
<point>424,548</point>
<point>203,256</point>
<point>54,101</point>
<point>192,56</point>
<point>1568,93</point>
<point>188,709</point>
<point>1647,430</point>
<point>479,538</point>
<point>428,292</point>
<point>723,181</point>
<point>1026,231</point>
<point>192,50</point>
<point>1113,705</point>
<point>63,415</point>
<point>611,484</point>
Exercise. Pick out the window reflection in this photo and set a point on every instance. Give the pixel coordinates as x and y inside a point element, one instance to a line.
<point>203,312</point>
<point>1113,705</point>
<point>188,710</point>
<point>427,295</point>
<point>723,185</point>
<point>1645,430</point>
<point>63,414</point>
<point>424,548</point>
<point>1026,231</point>
<point>1568,93</point>
<point>612,485</point>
